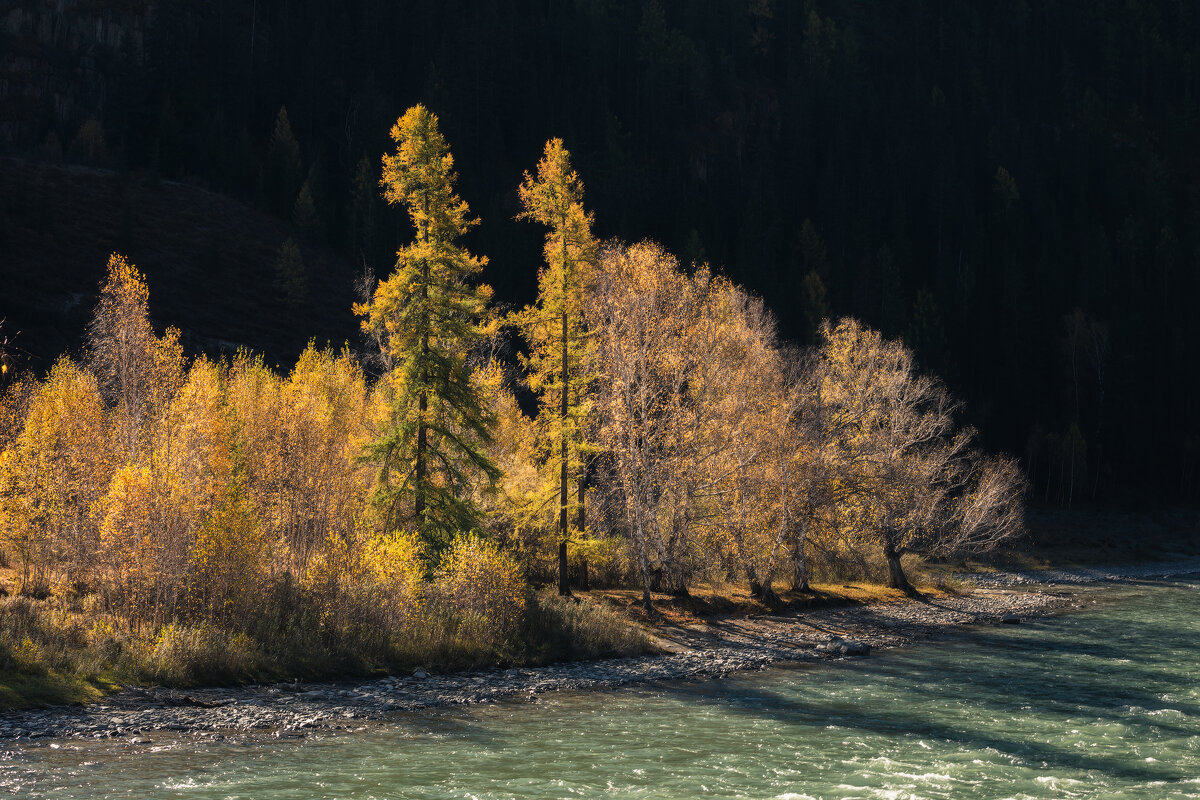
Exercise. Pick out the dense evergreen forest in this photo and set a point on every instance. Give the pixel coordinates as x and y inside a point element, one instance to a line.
<point>1009,187</point>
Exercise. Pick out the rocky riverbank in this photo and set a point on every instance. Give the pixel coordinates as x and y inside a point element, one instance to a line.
<point>709,648</point>
<point>1069,576</point>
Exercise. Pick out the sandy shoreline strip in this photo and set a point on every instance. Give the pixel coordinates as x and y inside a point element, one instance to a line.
<point>707,649</point>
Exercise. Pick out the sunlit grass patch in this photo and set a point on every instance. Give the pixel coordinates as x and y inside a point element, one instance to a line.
<point>19,690</point>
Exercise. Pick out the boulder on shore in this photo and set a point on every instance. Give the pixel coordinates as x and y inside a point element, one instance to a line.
<point>846,647</point>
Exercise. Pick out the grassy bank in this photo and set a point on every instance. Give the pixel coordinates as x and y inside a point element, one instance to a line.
<point>63,649</point>
<point>60,649</point>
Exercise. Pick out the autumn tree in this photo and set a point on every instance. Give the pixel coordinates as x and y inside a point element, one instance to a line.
<point>811,460</point>
<point>739,412</point>
<point>696,406</point>
<point>917,486</point>
<point>644,313</point>
<point>515,511</point>
<point>298,436</point>
<point>122,347</point>
<point>554,328</point>
<point>429,313</point>
<point>54,472</point>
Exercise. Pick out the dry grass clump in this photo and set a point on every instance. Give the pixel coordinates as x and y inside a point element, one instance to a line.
<point>581,628</point>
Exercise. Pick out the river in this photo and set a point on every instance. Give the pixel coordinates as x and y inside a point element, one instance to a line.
<point>1100,703</point>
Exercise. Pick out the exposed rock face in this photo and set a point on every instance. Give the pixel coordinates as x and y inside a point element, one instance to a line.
<point>58,59</point>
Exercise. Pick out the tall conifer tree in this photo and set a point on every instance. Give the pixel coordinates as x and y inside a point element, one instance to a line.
<point>553,327</point>
<point>428,315</point>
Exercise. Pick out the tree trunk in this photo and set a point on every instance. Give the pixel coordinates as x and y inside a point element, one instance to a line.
<point>645,567</point>
<point>756,587</point>
<point>419,476</point>
<point>800,561</point>
<point>564,584</point>
<point>581,509</point>
<point>423,400</point>
<point>896,577</point>
<point>764,592</point>
<point>583,575</point>
<point>800,573</point>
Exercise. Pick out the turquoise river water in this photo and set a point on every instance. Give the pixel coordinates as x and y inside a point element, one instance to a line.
<point>1103,703</point>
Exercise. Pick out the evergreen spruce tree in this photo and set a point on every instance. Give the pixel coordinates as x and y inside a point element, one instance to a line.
<point>428,315</point>
<point>283,168</point>
<point>553,327</point>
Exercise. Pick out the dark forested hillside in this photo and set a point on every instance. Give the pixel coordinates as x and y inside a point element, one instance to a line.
<point>1010,186</point>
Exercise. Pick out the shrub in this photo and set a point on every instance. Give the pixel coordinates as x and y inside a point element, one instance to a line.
<point>476,604</point>
<point>392,564</point>
<point>182,655</point>
<point>475,577</point>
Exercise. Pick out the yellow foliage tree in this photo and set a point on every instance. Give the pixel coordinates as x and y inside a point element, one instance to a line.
<point>912,479</point>
<point>646,315</point>
<point>516,513</point>
<point>227,564</point>
<point>393,569</point>
<point>554,328</point>
<point>741,404</point>
<point>155,510</point>
<point>139,506</point>
<point>52,477</point>
<point>298,438</point>
<point>138,373</point>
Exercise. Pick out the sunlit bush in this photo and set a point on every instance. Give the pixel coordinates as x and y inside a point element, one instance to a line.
<point>299,438</point>
<point>146,533</point>
<point>476,578</point>
<point>228,561</point>
<point>391,562</point>
<point>182,655</point>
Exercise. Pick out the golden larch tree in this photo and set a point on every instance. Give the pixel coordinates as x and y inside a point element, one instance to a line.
<point>554,328</point>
